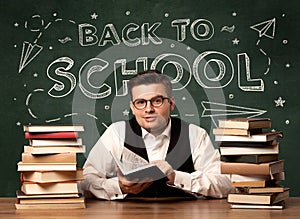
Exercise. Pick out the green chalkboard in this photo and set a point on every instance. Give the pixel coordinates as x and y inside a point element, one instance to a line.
<point>68,62</point>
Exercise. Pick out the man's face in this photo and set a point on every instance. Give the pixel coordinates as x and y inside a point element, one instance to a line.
<point>153,119</point>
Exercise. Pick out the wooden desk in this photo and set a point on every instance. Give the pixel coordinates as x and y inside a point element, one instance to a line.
<point>200,209</point>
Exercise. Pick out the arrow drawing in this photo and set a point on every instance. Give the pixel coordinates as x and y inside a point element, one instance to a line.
<point>265,28</point>
<point>29,52</point>
<point>213,110</point>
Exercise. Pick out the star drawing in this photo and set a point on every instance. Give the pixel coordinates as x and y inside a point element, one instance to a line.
<point>279,102</point>
<point>94,16</point>
<point>235,41</point>
<point>125,112</point>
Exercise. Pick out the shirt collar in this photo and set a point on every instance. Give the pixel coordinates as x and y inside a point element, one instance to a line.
<point>166,132</point>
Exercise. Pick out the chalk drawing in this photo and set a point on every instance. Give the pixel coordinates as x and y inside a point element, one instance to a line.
<point>215,110</point>
<point>279,102</point>
<point>228,29</point>
<point>31,50</point>
<point>265,29</point>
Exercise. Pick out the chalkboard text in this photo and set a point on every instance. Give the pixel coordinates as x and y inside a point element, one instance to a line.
<point>59,70</point>
<point>200,29</point>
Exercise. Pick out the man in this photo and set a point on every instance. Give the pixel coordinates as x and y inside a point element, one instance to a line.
<point>182,151</point>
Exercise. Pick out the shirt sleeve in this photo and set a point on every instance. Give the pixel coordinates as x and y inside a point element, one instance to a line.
<point>99,169</point>
<point>207,178</point>
<point>100,186</point>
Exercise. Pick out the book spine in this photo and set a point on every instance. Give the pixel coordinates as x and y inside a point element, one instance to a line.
<point>239,158</point>
<point>49,188</point>
<point>46,166</point>
<point>252,206</point>
<point>51,176</point>
<point>227,150</point>
<point>54,135</point>
<point>248,158</point>
<point>48,129</point>
<point>52,150</point>
<point>245,168</point>
<point>236,124</point>
<point>254,184</point>
<point>49,158</point>
<point>55,142</point>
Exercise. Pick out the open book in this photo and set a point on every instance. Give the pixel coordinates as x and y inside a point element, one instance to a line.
<point>138,170</point>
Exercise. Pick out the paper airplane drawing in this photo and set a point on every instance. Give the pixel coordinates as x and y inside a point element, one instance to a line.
<point>29,52</point>
<point>213,110</point>
<point>265,28</point>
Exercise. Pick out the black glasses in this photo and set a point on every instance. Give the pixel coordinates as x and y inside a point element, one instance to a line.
<point>156,102</point>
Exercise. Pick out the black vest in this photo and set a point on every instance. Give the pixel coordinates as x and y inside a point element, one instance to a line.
<point>178,155</point>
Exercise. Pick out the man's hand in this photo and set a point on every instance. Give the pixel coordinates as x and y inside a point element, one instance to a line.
<point>132,186</point>
<point>167,169</point>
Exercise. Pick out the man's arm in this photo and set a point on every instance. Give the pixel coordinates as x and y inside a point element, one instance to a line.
<point>101,177</point>
<point>99,171</point>
<point>207,178</point>
<point>101,187</point>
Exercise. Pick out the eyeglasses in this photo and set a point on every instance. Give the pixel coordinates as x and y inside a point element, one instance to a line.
<point>156,102</point>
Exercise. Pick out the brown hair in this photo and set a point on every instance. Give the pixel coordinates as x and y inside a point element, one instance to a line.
<point>150,77</point>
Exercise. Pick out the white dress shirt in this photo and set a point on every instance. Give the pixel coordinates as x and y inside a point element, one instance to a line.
<point>99,168</point>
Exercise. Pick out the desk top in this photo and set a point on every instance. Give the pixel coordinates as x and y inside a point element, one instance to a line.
<point>217,208</point>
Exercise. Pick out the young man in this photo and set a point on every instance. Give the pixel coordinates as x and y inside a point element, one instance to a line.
<point>182,151</point>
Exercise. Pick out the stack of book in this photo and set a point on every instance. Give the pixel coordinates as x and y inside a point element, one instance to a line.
<point>250,155</point>
<point>48,170</point>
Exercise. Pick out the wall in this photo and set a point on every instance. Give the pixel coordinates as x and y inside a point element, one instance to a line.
<point>64,62</point>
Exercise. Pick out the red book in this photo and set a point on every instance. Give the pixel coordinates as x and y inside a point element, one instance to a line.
<point>51,135</point>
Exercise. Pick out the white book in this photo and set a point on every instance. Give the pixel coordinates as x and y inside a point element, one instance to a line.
<point>49,188</point>
<point>46,166</point>
<point>139,170</point>
<point>253,206</point>
<point>22,195</point>
<point>262,137</point>
<point>54,149</point>
<point>250,178</point>
<point>55,142</point>
<point>53,128</point>
<point>249,150</point>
